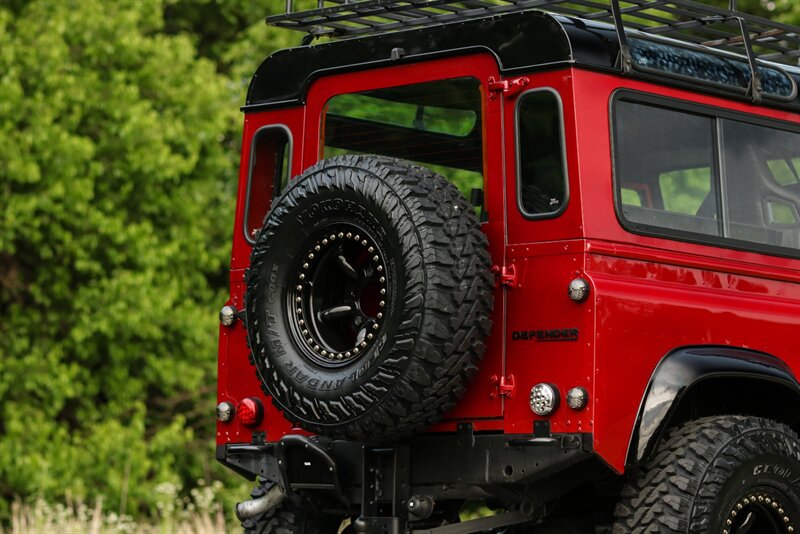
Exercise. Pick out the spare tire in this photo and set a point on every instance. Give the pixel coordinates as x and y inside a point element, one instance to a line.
<point>368,298</point>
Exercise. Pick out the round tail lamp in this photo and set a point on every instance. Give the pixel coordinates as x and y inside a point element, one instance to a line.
<point>250,411</point>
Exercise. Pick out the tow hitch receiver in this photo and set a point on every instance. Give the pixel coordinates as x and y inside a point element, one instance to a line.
<point>386,481</point>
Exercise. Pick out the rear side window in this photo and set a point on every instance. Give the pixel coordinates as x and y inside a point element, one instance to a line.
<point>542,176</point>
<point>763,193</point>
<point>685,173</point>
<point>437,124</point>
<point>269,173</point>
<point>667,159</point>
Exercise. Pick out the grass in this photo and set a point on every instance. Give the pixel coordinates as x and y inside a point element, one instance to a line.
<point>201,513</point>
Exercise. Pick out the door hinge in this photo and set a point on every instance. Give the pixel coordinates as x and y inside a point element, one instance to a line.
<point>506,275</point>
<point>504,386</point>
<point>509,88</point>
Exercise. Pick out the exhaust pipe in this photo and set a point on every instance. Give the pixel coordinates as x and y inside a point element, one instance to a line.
<point>247,509</point>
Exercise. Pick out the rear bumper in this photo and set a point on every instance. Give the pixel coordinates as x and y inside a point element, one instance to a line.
<point>451,466</point>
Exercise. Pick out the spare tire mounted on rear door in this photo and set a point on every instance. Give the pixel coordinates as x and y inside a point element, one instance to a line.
<point>368,298</point>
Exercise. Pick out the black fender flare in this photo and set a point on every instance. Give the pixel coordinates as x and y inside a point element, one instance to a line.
<point>684,368</point>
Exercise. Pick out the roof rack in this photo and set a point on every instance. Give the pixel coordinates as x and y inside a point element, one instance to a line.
<point>686,20</point>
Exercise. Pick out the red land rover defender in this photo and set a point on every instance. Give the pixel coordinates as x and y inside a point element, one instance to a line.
<point>540,254</point>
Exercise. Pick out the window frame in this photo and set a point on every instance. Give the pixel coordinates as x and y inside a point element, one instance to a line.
<point>518,163</point>
<point>716,114</point>
<point>251,167</point>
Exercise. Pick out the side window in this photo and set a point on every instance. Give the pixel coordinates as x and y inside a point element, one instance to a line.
<point>542,176</point>
<point>665,169</point>
<point>762,187</point>
<point>437,124</point>
<point>704,175</point>
<point>269,173</point>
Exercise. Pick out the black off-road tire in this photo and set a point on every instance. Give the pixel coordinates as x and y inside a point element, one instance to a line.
<point>714,473</point>
<point>427,262</point>
<point>288,518</point>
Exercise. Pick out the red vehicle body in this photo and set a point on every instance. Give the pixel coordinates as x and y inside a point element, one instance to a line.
<point>657,303</point>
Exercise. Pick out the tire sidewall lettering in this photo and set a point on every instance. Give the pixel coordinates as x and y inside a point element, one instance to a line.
<point>279,268</point>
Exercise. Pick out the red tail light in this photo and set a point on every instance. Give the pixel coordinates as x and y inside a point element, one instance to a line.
<point>250,412</point>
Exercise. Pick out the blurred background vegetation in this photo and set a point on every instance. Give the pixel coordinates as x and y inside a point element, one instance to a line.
<point>119,152</point>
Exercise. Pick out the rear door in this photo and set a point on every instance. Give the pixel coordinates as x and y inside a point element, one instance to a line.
<point>440,114</point>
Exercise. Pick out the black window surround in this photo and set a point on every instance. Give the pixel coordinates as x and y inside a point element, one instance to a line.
<point>519,149</point>
<point>716,114</point>
<point>286,157</point>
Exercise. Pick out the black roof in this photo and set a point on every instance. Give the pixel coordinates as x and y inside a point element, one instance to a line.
<point>522,41</point>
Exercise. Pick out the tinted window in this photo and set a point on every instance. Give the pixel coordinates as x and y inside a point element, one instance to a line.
<point>762,190</point>
<point>542,172</point>
<point>665,168</point>
<point>698,174</point>
<point>437,124</point>
<point>269,174</point>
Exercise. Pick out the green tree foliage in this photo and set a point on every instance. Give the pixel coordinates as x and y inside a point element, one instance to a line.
<point>783,10</point>
<point>119,138</point>
<point>115,212</point>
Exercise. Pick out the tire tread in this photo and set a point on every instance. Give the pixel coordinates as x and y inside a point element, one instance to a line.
<point>674,491</point>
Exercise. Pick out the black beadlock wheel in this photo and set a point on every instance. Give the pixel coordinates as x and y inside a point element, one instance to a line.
<point>726,475</point>
<point>368,298</point>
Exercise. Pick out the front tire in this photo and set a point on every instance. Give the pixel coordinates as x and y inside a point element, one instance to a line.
<point>725,474</point>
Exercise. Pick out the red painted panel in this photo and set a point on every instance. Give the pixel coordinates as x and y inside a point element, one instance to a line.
<point>541,303</point>
<point>648,307</point>
<point>652,295</point>
<point>237,379</point>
